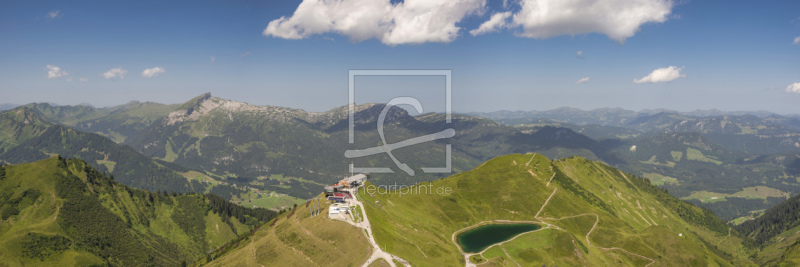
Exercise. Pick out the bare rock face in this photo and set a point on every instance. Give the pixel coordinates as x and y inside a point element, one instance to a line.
<point>194,109</point>
<point>202,105</point>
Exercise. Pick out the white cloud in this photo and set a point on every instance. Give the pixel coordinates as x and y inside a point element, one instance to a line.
<point>579,54</point>
<point>83,80</point>
<point>244,54</point>
<point>618,19</point>
<point>793,88</point>
<point>421,21</point>
<point>583,80</point>
<point>152,72</point>
<point>495,23</point>
<point>662,75</point>
<point>796,40</point>
<point>54,14</point>
<point>212,59</point>
<point>54,72</point>
<point>409,22</point>
<point>115,73</point>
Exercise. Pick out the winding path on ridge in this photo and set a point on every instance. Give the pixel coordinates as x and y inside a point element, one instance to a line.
<point>548,225</point>
<point>377,252</point>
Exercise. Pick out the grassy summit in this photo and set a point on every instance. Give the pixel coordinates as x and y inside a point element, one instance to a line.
<point>593,214</point>
<point>297,239</point>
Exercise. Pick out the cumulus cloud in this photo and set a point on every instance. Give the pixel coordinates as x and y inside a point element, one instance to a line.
<point>619,19</point>
<point>662,75</point>
<point>54,72</point>
<point>152,72</point>
<point>796,40</point>
<point>579,54</point>
<point>793,88</point>
<point>495,23</point>
<point>244,54</point>
<point>115,73</point>
<point>83,80</point>
<point>409,22</point>
<point>582,80</point>
<point>53,14</point>
<point>421,21</point>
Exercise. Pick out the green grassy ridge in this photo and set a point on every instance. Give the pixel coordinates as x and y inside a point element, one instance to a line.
<point>294,238</point>
<point>130,167</point>
<point>117,122</point>
<point>64,212</point>
<point>67,115</point>
<point>18,126</point>
<point>781,249</point>
<point>418,227</point>
<point>26,137</point>
<point>126,120</point>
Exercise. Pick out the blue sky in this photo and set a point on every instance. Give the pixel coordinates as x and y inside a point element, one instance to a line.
<point>729,55</point>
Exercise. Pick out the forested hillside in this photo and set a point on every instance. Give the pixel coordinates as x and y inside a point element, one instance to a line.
<point>28,138</point>
<point>62,211</point>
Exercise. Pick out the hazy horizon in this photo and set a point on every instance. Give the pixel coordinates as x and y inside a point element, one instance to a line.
<point>438,111</point>
<point>678,55</point>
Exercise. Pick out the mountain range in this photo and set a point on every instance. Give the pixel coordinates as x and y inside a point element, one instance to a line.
<point>641,175</point>
<point>240,150</point>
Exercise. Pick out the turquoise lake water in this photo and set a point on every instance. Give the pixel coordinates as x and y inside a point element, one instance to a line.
<point>480,238</point>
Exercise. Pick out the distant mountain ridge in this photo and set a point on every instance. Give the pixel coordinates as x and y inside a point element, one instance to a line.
<point>600,113</point>
<point>755,132</point>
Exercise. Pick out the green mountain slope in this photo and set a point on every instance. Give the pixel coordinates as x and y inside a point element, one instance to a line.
<point>67,115</point>
<point>297,239</point>
<point>63,212</point>
<point>777,232</point>
<point>28,138</point>
<point>19,125</point>
<point>126,120</point>
<point>592,215</point>
<point>117,123</point>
